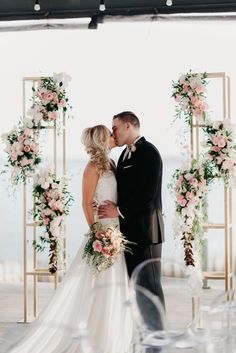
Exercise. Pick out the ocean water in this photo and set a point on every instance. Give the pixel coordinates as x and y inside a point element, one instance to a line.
<point>11,220</point>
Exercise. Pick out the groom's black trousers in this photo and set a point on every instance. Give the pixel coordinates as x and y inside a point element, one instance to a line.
<point>151,278</point>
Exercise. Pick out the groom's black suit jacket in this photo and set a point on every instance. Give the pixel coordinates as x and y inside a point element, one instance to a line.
<point>139,182</point>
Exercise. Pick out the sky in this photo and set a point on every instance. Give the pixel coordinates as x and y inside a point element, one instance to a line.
<point>120,66</point>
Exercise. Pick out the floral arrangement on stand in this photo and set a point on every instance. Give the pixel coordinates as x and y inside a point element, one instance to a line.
<point>22,151</point>
<point>103,246</point>
<point>49,97</point>
<point>190,184</point>
<point>221,149</point>
<point>189,92</point>
<point>189,187</point>
<point>52,203</point>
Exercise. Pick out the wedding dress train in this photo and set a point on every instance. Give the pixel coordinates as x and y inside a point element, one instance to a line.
<point>77,302</point>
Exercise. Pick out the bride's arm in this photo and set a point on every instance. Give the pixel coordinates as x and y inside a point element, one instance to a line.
<point>90,180</point>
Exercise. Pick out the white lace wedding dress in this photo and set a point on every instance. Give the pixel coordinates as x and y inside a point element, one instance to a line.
<point>85,299</point>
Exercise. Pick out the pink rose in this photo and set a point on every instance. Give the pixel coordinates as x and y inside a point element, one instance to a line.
<point>194,99</point>
<point>106,251</point>
<point>219,141</point>
<point>185,87</point>
<point>197,113</point>
<point>193,201</point>
<point>183,202</point>
<point>21,138</point>
<point>46,221</point>
<point>228,165</point>
<point>51,203</point>
<point>177,98</point>
<point>48,196</point>
<point>57,206</point>
<point>34,147</point>
<point>215,148</point>
<point>14,156</point>
<point>25,162</point>
<point>99,234</point>
<point>28,132</point>
<point>26,149</point>
<point>200,89</point>
<point>194,182</point>
<point>49,96</point>
<point>219,160</point>
<point>222,141</point>
<point>188,195</point>
<point>97,246</point>
<point>52,115</point>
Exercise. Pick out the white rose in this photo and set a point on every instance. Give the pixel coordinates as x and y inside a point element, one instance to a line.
<point>188,176</point>
<point>47,211</point>
<point>4,136</point>
<point>28,142</point>
<point>46,235</point>
<point>28,122</point>
<point>62,77</point>
<point>182,79</point>
<point>216,124</point>
<point>49,180</point>
<point>38,117</point>
<point>45,185</point>
<point>185,103</point>
<point>194,82</point>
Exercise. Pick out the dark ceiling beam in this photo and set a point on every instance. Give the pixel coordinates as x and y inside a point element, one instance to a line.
<point>122,11</point>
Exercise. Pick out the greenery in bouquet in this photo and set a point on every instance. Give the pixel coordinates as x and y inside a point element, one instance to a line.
<point>52,204</point>
<point>103,246</point>
<point>189,94</point>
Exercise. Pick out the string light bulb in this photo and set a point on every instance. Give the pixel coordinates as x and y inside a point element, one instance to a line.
<point>36,5</point>
<point>169,2</point>
<point>102,6</point>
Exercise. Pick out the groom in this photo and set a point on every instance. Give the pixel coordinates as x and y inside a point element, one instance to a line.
<point>139,182</point>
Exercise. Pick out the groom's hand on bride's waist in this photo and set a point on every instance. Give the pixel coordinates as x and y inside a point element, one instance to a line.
<point>108,210</point>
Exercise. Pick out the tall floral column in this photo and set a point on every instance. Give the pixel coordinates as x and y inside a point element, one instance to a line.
<point>52,203</point>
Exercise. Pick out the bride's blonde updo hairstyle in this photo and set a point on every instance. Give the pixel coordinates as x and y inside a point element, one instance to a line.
<point>96,141</point>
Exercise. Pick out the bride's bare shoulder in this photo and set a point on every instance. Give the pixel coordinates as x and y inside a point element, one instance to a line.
<point>90,169</point>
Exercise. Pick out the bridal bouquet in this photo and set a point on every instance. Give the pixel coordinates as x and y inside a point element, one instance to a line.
<point>189,94</point>
<point>103,246</point>
<point>221,152</point>
<point>52,202</point>
<point>22,149</point>
<point>49,97</point>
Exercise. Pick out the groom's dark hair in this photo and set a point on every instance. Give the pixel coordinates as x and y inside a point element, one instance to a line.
<point>128,117</point>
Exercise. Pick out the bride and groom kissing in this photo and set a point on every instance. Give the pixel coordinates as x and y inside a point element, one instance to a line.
<point>127,196</point>
<point>139,204</point>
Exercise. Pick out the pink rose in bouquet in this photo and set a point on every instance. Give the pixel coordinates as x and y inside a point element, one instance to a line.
<point>103,246</point>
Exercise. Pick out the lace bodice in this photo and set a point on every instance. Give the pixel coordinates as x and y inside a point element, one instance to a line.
<point>106,190</point>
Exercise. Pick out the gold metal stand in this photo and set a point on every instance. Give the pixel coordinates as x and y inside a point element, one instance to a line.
<point>227,274</point>
<point>35,271</point>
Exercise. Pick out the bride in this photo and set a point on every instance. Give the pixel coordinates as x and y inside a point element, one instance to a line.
<point>84,298</point>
